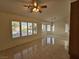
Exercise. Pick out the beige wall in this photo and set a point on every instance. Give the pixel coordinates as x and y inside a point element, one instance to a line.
<point>60,27</point>
<point>6,40</point>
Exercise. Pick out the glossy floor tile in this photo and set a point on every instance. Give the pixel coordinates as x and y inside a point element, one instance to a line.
<point>49,47</point>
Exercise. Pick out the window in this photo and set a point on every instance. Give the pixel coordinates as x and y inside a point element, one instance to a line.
<point>66,28</point>
<point>29,28</point>
<point>43,27</point>
<point>34,28</point>
<point>48,27</point>
<point>15,29</point>
<point>53,28</point>
<point>23,28</point>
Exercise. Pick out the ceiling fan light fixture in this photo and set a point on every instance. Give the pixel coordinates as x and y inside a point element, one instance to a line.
<point>35,4</point>
<point>35,10</point>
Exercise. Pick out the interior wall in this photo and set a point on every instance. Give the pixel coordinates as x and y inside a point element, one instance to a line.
<point>6,40</point>
<point>59,27</point>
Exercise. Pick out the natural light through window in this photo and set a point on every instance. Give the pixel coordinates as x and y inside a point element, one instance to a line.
<point>34,28</point>
<point>48,27</point>
<point>29,28</point>
<point>66,28</point>
<point>44,27</point>
<point>15,29</point>
<point>24,28</point>
<point>53,28</point>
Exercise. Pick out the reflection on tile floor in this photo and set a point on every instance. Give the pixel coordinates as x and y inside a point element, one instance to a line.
<point>48,48</point>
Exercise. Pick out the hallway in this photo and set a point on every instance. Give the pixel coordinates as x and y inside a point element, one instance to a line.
<point>47,47</point>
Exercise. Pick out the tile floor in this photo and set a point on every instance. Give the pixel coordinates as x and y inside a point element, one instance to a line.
<point>49,47</point>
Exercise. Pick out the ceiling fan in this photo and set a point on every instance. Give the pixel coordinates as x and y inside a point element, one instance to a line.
<point>35,6</point>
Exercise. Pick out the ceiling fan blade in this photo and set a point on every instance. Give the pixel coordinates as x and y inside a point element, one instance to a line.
<point>25,5</point>
<point>28,5</point>
<point>40,11</point>
<point>44,6</point>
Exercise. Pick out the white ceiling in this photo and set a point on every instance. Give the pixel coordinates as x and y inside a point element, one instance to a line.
<point>56,9</point>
